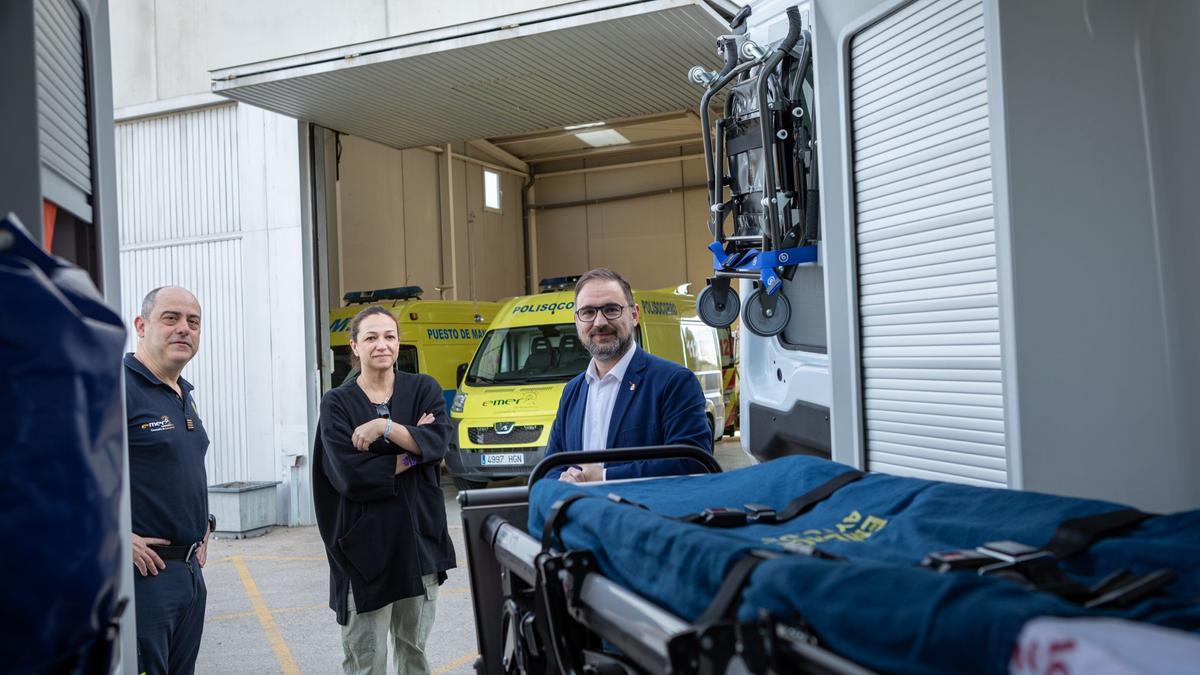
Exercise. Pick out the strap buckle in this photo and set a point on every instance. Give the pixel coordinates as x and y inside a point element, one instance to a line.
<point>1013,556</point>
<point>722,517</point>
<point>1012,553</point>
<point>759,513</point>
<point>952,561</point>
<point>1033,567</point>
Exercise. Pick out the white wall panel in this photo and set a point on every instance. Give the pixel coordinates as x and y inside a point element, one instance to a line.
<point>210,201</point>
<point>212,271</point>
<point>177,176</point>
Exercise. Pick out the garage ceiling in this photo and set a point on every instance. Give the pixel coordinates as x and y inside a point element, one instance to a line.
<point>513,75</point>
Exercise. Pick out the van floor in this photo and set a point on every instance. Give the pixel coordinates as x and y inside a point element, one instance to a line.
<point>268,610</point>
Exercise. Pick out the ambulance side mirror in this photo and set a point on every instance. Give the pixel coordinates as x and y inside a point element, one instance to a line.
<point>462,372</point>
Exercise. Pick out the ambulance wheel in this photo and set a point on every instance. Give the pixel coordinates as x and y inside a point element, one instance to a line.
<point>713,315</point>
<point>756,317</point>
<point>461,484</point>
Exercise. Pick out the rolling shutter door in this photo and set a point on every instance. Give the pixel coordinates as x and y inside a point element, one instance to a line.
<point>933,404</point>
<point>62,106</point>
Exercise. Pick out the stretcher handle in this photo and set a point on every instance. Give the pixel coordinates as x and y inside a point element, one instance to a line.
<point>623,455</point>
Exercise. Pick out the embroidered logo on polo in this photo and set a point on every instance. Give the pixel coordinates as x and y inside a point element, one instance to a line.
<point>163,423</point>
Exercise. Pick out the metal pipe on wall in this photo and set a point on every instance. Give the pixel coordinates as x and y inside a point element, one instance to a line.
<point>624,165</point>
<point>614,198</point>
<point>526,207</point>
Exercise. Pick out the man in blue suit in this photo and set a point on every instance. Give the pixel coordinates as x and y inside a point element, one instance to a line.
<point>626,398</point>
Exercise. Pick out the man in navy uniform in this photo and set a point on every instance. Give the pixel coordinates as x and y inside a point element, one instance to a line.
<point>626,398</point>
<point>168,484</point>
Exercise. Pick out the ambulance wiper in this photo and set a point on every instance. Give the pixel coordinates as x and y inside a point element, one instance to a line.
<point>515,380</point>
<point>479,379</point>
<point>550,378</point>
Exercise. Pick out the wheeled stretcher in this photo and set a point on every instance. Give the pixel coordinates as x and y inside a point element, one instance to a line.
<point>805,565</point>
<point>761,152</point>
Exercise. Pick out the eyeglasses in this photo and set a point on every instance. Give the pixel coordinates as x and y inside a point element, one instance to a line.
<point>611,312</point>
<point>381,410</point>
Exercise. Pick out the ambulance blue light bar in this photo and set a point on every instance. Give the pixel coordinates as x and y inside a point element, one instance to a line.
<point>552,284</point>
<point>399,293</point>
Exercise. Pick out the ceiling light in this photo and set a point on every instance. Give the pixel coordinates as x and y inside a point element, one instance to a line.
<point>573,127</point>
<point>602,138</point>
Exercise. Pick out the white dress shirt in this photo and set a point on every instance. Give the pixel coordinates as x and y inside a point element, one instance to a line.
<point>601,397</point>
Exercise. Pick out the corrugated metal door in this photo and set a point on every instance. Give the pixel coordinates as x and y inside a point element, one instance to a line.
<point>62,105</point>
<point>933,405</point>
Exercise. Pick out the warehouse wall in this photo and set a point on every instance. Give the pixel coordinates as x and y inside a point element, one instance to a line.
<point>655,241</point>
<point>390,225</point>
<point>209,200</point>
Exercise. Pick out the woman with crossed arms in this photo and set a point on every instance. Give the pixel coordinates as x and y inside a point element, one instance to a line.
<point>379,505</point>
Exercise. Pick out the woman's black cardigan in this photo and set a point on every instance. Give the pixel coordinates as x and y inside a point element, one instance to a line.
<point>382,532</point>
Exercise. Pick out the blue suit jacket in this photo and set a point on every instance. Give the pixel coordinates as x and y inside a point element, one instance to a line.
<point>659,403</point>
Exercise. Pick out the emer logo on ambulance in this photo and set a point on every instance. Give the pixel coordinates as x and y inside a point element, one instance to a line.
<point>525,399</point>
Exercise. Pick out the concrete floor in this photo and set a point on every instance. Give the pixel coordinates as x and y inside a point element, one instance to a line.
<point>268,611</point>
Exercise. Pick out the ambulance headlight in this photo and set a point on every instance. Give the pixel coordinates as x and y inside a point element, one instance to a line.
<point>460,399</point>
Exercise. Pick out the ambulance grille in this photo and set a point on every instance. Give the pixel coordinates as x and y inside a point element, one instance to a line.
<point>520,435</point>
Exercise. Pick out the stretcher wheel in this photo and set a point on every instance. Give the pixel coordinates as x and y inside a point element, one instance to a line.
<point>711,314</point>
<point>755,315</point>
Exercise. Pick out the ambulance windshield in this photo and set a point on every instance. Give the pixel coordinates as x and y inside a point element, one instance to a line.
<point>524,354</point>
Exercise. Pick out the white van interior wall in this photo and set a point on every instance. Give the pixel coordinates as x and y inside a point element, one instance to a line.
<point>389,206</point>
<point>655,241</point>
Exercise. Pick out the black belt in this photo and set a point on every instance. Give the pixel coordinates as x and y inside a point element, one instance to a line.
<point>176,551</point>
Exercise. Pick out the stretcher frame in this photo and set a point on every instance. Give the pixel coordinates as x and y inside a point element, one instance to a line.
<point>574,616</point>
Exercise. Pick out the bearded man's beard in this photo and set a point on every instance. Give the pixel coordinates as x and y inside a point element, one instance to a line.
<point>612,350</point>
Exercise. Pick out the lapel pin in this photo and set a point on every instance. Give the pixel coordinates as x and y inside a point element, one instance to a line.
<point>632,386</point>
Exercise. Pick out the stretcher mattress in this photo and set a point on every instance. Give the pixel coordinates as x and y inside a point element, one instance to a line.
<point>877,607</point>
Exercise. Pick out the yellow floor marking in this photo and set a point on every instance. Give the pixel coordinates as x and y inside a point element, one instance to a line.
<point>453,591</point>
<point>311,558</point>
<point>282,654</point>
<point>281,610</point>
<point>456,663</point>
<point>229,617</point>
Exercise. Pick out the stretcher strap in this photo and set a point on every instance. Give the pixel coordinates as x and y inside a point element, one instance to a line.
<point>725,601</point>
<point>806,501</point>
<point>759,513</point>
<point>1079,534</point>
<point>555,519</point>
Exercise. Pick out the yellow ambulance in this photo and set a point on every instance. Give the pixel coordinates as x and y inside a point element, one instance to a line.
<point>437,337</point>
<point>508,399</point>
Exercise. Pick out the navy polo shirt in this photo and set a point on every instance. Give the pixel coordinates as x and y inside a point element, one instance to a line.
<point>168,486</point>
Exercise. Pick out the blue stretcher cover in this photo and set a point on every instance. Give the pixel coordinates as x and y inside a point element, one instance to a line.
<point>879,607</point>
<point>61,412</point>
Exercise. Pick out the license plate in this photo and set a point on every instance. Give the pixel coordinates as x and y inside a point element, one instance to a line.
<point>503,459</point>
